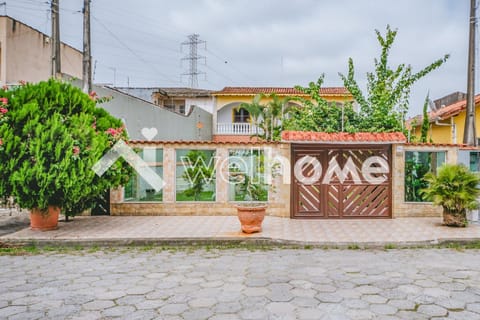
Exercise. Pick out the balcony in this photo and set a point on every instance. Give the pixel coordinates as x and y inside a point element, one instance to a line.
<point>241,128</point>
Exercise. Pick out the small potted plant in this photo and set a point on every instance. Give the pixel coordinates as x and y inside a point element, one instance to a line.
<point>51,135</point>
<point>252,212</point>
<point>455,188</point>
<point>251,190</point>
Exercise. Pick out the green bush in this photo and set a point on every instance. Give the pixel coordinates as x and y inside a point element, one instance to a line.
<point>51,134</point>
<point>454,187</point>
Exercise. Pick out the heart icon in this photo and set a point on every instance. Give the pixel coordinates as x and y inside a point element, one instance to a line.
<point>149,133</point>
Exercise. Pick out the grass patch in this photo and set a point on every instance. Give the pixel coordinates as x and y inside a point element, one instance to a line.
<point>208,247</point>
<point>390,246</point>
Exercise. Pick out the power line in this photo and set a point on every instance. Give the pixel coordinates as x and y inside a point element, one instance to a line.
<point>131,50</point>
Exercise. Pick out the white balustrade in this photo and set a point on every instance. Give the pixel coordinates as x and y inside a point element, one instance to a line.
<point>243,128</point>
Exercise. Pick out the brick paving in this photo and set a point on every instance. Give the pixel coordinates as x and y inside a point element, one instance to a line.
<point>334,232</point>
<point>151,283</point>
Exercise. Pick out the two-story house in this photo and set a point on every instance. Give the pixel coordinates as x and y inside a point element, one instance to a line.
<point>232,124</point>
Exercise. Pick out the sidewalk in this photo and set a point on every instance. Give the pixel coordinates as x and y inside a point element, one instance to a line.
<point>115,230</point>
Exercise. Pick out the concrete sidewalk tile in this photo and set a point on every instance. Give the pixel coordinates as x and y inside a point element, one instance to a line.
<point>191,228</point>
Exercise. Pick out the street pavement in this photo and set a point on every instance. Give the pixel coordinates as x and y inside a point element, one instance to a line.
<point>13,220</point>
<point>235,283</point>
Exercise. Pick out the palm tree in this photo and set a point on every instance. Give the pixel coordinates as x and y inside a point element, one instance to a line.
<point>254,109</point>
<point>455,188</point>
<point>268,117</point>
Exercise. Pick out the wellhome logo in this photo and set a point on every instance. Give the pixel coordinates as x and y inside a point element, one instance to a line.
<point>374,170</point>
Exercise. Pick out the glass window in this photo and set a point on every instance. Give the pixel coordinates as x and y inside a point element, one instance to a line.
<point>240,115</point>
<point>137,189</point>
<point>417,165</point>
<point>246,174</point>
<point>195,175</point>
<point>475,161</point>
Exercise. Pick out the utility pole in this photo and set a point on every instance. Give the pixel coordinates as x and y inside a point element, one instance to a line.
<point>87,54</point>
<point>56,59</point>
<point>193,57</point>
<point>470,133</point>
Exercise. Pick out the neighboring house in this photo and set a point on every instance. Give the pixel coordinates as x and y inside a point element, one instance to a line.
<point>179,100</point>
<point>447,123</point>
<point>232,124</point>
<point>147,122</point>
<point>25,54</point>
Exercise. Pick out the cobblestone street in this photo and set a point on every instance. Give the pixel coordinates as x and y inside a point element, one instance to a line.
<point>149,283</point>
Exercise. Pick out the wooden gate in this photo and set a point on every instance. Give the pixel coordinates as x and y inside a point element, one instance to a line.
<point>334,184</point>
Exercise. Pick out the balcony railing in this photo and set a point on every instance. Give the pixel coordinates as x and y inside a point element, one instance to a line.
<point>238,129</point>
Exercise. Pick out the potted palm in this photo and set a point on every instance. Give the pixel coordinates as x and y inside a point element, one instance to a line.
<point>250,188</point>
<point>455,188</point>
<point>252,212</point>
<point>51,135</point>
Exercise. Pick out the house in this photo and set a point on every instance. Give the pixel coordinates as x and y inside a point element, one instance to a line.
<point>232,124</point>
<point>447,124</point>
<point>179,100</point>
<point>146,121</point>
<point>447,121</point>
<point>25,54</point>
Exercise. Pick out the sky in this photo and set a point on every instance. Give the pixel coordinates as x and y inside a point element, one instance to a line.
<point>262,42</point>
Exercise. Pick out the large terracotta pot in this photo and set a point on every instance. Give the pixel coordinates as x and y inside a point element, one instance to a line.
<point>251,218</point>
<point>454,218</point>
<point>44,220</point>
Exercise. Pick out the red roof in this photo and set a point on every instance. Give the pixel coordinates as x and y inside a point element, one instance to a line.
<point>444,113</point>
<point>337,91</point>
<point>342,137</point>
<point>201,142</point>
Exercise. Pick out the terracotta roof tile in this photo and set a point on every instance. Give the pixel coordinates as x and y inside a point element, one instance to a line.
<point>338,91</point>
<point>445,112</point>
<point>343,137</point>
<point>202,142</point>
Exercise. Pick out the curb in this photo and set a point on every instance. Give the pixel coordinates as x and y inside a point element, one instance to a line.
<point>231,241</point>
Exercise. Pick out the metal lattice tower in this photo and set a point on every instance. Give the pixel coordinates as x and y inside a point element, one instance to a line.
<point>193,57</point>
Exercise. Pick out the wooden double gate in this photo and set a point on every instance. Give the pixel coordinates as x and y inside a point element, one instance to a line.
<point>334,185</point>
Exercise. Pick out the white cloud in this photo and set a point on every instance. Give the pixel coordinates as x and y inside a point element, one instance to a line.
<point>248,39</point>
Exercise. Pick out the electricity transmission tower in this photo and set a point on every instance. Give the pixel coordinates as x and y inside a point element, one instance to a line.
<point>193,57</point>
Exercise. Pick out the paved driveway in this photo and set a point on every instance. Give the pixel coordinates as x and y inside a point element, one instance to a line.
<point>242,284</point>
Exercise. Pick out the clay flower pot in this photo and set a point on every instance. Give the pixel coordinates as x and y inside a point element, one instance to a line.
<point>251,217</point>
<point>44,220</point>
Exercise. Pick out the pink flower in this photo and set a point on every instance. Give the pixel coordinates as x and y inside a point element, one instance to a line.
<point>93,95</point>
<point>1,142</point>
<point>4,101</point>
<point>76,150</point>
<point>3,110</point>
<point>111,131</point>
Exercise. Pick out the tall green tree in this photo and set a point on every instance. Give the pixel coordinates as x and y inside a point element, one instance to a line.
<point>317,114</point>
<point>385,103</point>
<point>425,121</point>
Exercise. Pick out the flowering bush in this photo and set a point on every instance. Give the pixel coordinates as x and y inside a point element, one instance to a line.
<point>51,134</point>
